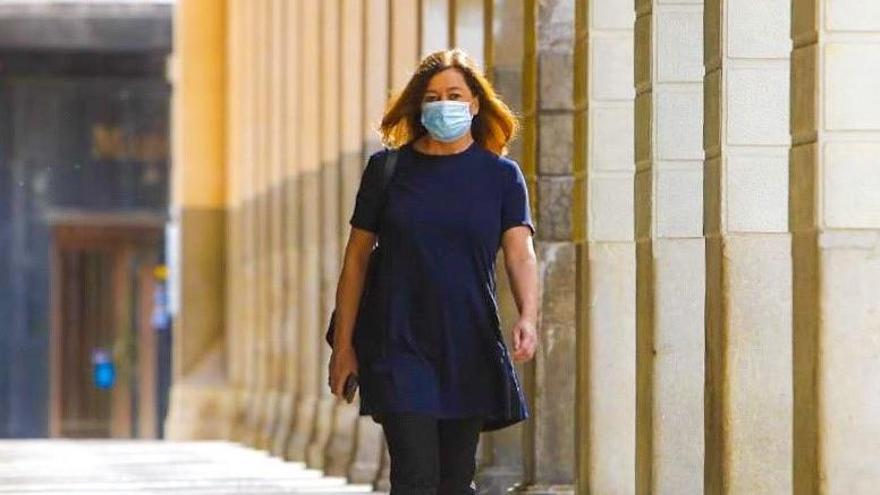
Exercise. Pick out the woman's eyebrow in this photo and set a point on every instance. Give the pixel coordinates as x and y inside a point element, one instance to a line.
<point>450,88</point>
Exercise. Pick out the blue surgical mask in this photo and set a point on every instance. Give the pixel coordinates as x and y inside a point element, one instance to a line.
<point>446,120</point>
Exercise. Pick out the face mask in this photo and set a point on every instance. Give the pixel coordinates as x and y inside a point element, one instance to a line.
<point>446,120</point>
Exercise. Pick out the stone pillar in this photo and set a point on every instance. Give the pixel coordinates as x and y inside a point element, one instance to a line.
<point>236,310</point>
<point>310,320</point>
<point>259,391</point>
<point>501,461</point>
<point>467,28</point>
<point>835,223</point>
<point>369,442</point>
<point>245,138</point>
<point>435,28</point>
<point>549,117</point>
<point>404,39</point>
<point>292,213</point>
<point>670,270</point>
<point>341,445</point>
<point>329,218</point>
<point>748,249</point>
<point>273,139</point>
<point>234,237</point>
<point>199,407</point>
<point>606,392</point>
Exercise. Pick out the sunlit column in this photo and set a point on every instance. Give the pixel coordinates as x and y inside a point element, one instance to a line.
<point>435,18</point>
<point>549,158</point>
<point>235,337</point>
<point>748,249</point>
<point>467,28</point>
<point>405,39</point>
<point>606,394</point>
<point>293,213</point>
<point>834,216</point>
<point>329,217</point>
<point>341,446</point>
<point>261,223</point>
<point>310,320</point>
<point>199,409</point>
<point>670,270</point>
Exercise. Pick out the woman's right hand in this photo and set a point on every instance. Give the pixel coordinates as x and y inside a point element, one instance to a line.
<point>343,362</point>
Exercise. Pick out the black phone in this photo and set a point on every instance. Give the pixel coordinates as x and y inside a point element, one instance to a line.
<point>351,385</point>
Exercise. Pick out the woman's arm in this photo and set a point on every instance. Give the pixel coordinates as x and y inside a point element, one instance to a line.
<point>351,283</point>
<point>521,265</point>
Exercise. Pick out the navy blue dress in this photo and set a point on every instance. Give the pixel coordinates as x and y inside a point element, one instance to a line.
<point>435,295</point>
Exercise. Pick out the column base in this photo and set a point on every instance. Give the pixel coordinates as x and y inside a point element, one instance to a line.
<point>539,489</point>
<point>323,429</point>
<point>302,429</point>
<point>269,420</point>
<point>383,481</point>
<point>283,425</point>
<point>497,480</point>
<point>199,412</point>
<point>340,447</point>
<point>254,421</point>
<point>368,453</point>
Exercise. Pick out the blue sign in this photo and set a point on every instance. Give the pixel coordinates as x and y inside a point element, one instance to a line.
<point>103,369</point>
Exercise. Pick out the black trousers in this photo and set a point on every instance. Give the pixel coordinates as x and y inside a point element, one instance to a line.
<point>430,455</point>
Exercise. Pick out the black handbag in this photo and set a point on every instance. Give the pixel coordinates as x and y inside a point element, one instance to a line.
<point>373,261</point>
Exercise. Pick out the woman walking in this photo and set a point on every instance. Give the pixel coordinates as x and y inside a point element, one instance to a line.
<point>432,366</point>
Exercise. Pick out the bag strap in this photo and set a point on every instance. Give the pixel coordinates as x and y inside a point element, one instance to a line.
<point>390,165</point>
<point>388,171</point>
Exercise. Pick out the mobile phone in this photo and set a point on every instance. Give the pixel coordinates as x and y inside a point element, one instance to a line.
<point>351,385</point>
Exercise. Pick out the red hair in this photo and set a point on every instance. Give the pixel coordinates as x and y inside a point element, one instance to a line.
<point>492,128</point>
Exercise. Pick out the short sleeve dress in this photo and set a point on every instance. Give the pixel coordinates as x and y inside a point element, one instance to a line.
<point>434,298</point>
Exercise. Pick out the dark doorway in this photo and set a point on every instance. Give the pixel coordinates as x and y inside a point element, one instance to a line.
<point>102,295</point>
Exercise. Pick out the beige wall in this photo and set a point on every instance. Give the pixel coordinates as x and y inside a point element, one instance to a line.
<point>707,232</point>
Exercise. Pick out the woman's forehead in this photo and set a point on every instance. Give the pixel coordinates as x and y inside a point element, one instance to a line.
<point>447,79</point>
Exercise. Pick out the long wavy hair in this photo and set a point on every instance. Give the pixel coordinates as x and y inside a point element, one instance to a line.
<point>493,126</point>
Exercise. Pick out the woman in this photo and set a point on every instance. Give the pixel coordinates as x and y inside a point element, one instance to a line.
<point>443,374</point>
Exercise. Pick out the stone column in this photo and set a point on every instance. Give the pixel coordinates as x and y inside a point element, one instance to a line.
<point>310,321</point>
<point>748,249</point>
<point>467,28</point>
<point>606,392</point>
<point>501,460</point>
<point>246,147</point>
<point>273,139</point>
<point>435,26</point>
<point>835,223</point>
<point>550,113</point>
<point>257,408</point>
<point>341,445</point>
<point>236,337</point>
<point>404,39</point>
<point>198,395</point>
<point>329,218</point>
<point>670,270</point>
<point>369,442</point>
<point>292,239</point>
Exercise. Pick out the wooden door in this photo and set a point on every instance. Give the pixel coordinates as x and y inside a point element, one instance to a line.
<point>99,298</point>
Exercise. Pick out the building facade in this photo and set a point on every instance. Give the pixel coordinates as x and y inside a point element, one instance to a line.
<point>704,181</point>
<point>84,176</point>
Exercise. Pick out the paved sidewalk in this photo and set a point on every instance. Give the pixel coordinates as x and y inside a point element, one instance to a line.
<point>105,467</point>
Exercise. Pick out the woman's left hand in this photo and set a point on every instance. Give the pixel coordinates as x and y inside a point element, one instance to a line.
<point>525,340</point>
